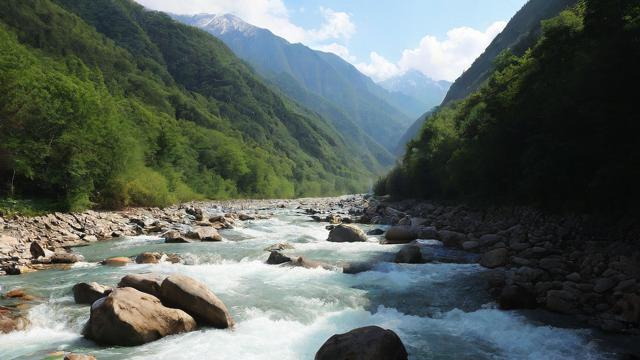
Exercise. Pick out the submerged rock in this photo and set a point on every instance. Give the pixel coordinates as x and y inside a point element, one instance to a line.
<point>375,232</point>
<point>196,299</point>
<point>347,233</point>
<point>88,293</point>
<point>357,267</point>
<point>148,283</point>
<point>128,317</point>
<point>366,343</point>
<point>409,254</point>
<point>401,234</point>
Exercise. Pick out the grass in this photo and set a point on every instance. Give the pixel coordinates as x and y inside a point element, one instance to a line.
<point>10,207</point>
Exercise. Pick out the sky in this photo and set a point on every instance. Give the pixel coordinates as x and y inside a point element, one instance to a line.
<point>382,38</point>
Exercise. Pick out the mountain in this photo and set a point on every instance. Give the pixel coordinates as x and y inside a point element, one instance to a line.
<point>520,34</point>
<point>107,104</point>
<point>542,130</point>
<point>308,75</point>
<point>413,83</point>
<point>412,132</point>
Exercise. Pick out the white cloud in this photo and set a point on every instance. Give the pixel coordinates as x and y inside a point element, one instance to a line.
<point>337,49</point>
<point>438,59</point>
<point>269,14</point>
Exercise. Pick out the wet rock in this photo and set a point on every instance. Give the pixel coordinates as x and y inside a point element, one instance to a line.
<point>357,267</point>
<point>17,294</point>
<point>603,284</point>
<point>515,297</point>
<point>366,343</point>
<point>196,299</point>
<point>400,234</point>
<point>204,234</point>
<point>246,217</point>
<point>627,308</point>
<point>427,232</point>
<point>88,293</point>
<point>375,232</point>
<point>347,233</point>
<point>410,254</point>
<point>37,251</point>
<point>128,317</point>
<point>148,283</point>
<point>10,322</point>
<point>117,261</point>
<point>148,258</point>
<point>310,264</point>
<point>452,239</point>
<point>333,219</point>
<point>175,237</point>
<point>494,258</point>
<point>575,277</point>
<point>490,239</point>
<point>276,258</point>
<point>73,356</point>
<point>561,301</point>
<point>66,258</point>
<point>279,247</point>
<point>470,245</point>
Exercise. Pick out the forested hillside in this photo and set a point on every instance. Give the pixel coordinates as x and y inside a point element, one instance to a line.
<point>554,127</point>
<point>104,103</point>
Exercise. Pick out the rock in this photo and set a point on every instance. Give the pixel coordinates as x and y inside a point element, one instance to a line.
<point>204,234</point>
<point>279,247</point>
<point>427,232</point>
<point>88,293</point>
<point>117,261</point>
<point>470,245</point>
<point>626,285</point>
<point>628,308</point>
<point>410,254</point>
<point>148,258</point>
<point>196,299</point>
<point>552,263</point>
<point>16,294</point>
<point>37,250</point>
<point>72,356</point>
<point>375,232</point>
<point>128,317</point>
<point>400,234</point>
<point>66,258</point>
<point>489,239</point>
<point>245,217</point>
<point>333,219</point>
<point>603,284</point>
<point>561,301</point>
<point>575,277</point>
<point>347,233</point>
<point>494,258</point>
<point>147,283</point>
<point>310,264</point>
<point>276,258</point>
<point>451,238</point>
<point>174,237</point>
<point>10,323</point>
<point>515,297</point>
<point>366,343</point>
<point>357,267</point>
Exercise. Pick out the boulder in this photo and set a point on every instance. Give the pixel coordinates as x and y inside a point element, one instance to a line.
<point>401,234</point>
<point>366,343</point>
<point>375,232</point>
<point>347,233</point>
<point>494,258</point>
<point>490,239</point>
<point>470,245</point>
<point>148,258</point>
<point>196,299</point>
<point>128,317</point>
<point>148,283</point>
<point>88,293</point>
<point>72,356</point>
<point>603,284</point>
<point>515,297</point>
<point>410,254</point>
<point>174,237</point>
<point>276,258</point>
<point>66,258</point>
<point>427,232</point>
<point>279,247</point>
<point>117,261</point>
<point>452,238</point>
<point>37,250</point>
<point>357,267</point>
<point>333,219</point>
<point>203,233</point>
<point>561,301</point>
<point>10,323</point>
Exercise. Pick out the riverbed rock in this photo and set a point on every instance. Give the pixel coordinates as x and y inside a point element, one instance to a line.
<point>12,322</point>
<point>128,317</point>
<point>148,283</point>
<point>38,250</point>
<point>276,258</point>
<point>401,234</point>
<point>196,299</point>
<point>357,267</point>
<point>452,239</point>
<point>515,297</point>
<point>366,343</point>
<point>494,258</point>
<point>148,258</point>
<point>117,261</point>
<point>175,237</point>
<point>74,356</point>
<point>88,293</point>
<point>66,258</point>
<point>204,234</point>
<point>347,233</point>
<point>561,301</point>
<point>375,232</point>
<point>409,254</point>
<point>310,264</point>
<point>603,284</point>
<point>279,247</point>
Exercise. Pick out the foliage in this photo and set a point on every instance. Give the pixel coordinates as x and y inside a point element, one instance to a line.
<point>554,127</point>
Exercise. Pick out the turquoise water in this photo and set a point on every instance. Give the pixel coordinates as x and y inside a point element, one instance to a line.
<point>440,311</point>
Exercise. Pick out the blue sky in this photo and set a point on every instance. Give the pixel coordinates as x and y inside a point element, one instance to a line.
<point>382,38</point>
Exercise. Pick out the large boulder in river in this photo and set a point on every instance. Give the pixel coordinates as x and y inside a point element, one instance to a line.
<point>175,237</point>
<point>148,258</point>
<point>88,293</point>
<point>401,234</point>
<point>117,261</point>
<point>347,233</point>
<point>409,254</point>
<point>148,283</point>
<point>66,258</point>
<point>366,343</point>
<point>204,233</point>
<point>196,299</point>
<point>276,258</point>
<point>12,322</point>
<point>128,317</point>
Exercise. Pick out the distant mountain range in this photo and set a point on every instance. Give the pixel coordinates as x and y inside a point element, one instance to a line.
<point>370,116</point>
<point>415,84</point>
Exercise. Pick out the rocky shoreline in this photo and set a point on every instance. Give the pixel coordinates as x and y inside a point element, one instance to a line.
<point>567,264</point>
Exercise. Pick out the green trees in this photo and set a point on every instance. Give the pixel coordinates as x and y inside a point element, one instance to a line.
<point>106,104</point>
<point>555,127</point>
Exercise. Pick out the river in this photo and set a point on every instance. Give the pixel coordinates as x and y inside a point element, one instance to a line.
<point>439,310</point>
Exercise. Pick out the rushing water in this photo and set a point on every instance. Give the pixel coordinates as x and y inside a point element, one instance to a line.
<point>439,310</point>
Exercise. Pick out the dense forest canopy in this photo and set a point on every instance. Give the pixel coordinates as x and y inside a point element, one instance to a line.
<point>104,103</point>
<point>555,127</point>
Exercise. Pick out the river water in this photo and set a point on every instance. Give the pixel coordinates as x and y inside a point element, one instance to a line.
<point>439,310</point>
